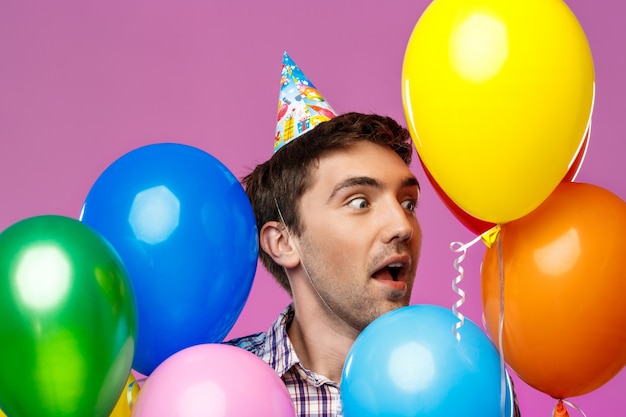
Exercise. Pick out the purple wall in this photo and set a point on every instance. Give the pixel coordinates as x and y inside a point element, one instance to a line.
<point>82,83</point>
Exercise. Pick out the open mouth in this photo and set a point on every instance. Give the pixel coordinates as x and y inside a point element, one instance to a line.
<point>394,271</point>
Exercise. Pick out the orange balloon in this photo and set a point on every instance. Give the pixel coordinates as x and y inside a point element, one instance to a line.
<point>564,327</point>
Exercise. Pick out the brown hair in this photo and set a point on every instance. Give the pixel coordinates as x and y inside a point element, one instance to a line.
<point>285,177</point>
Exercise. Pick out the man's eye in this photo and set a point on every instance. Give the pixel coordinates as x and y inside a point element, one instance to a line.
<point>410,205</point>
<point>358,203</point>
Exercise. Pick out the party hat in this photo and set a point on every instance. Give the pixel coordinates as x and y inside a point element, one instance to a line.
<point>300,106</point>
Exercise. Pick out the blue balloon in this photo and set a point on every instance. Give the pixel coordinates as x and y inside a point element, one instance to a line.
<point>408,362</point>
<point>184,228</point>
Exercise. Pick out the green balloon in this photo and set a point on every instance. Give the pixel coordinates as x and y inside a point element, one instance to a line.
<point>67,320</point>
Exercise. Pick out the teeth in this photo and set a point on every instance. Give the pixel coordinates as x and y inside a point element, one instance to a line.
<point>395,265</point>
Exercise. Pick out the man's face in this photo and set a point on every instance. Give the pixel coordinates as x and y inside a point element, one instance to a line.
<point>361,240</point>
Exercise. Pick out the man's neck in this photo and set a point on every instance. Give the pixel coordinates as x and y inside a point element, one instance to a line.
<point>320,339</point>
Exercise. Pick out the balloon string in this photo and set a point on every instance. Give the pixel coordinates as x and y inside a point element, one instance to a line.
<point>458,247</point>
<point>129,391</point>
<point>501,327</point>
<point>306,271</point>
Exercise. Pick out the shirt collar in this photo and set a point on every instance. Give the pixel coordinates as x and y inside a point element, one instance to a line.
<point>278,345</point>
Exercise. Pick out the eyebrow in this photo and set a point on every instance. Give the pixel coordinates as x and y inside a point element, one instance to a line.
<point>369,182</point>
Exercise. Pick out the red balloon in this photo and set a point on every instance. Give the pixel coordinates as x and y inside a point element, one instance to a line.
<point>478,226</point>
<point>578,161</point>
<point>563,330</point>
<point>472,223</point>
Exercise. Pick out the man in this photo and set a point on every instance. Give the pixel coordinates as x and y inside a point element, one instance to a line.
<point>336,215</point>
<point>335,211</point>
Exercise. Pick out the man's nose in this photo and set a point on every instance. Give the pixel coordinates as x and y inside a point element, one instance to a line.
<point>399,223</point>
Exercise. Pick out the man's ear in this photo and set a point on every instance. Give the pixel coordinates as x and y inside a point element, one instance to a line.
<point>276,242</point>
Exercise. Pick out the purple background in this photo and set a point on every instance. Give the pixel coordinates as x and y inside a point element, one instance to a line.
<point>84,82</point>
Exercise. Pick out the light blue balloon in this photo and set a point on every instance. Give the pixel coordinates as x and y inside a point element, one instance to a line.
<point>185,230</point>
<point>408,362</point>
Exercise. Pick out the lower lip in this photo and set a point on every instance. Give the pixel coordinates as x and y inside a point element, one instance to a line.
<point>395,285</point>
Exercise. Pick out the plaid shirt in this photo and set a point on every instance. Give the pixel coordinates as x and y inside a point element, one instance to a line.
<point>313,395</point>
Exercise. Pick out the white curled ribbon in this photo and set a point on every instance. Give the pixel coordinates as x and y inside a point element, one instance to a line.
<point>458,247</point>
<point>488,238</point>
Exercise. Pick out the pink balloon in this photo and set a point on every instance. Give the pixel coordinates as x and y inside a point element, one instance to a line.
<point>213,380</point>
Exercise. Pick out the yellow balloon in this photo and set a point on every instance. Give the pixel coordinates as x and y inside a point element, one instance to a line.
<point>122,407</point>
<point>498,96</point>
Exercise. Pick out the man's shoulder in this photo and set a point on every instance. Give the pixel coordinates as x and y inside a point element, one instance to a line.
<point>272,346</point>
<point>252,343</point>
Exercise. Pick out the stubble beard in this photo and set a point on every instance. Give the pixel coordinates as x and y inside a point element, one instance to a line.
<point>359,308</point>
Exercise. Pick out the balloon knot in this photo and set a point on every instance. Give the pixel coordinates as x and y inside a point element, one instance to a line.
<point>560,410</point>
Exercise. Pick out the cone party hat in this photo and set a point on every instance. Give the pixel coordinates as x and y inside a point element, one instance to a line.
<point>301,107</point>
